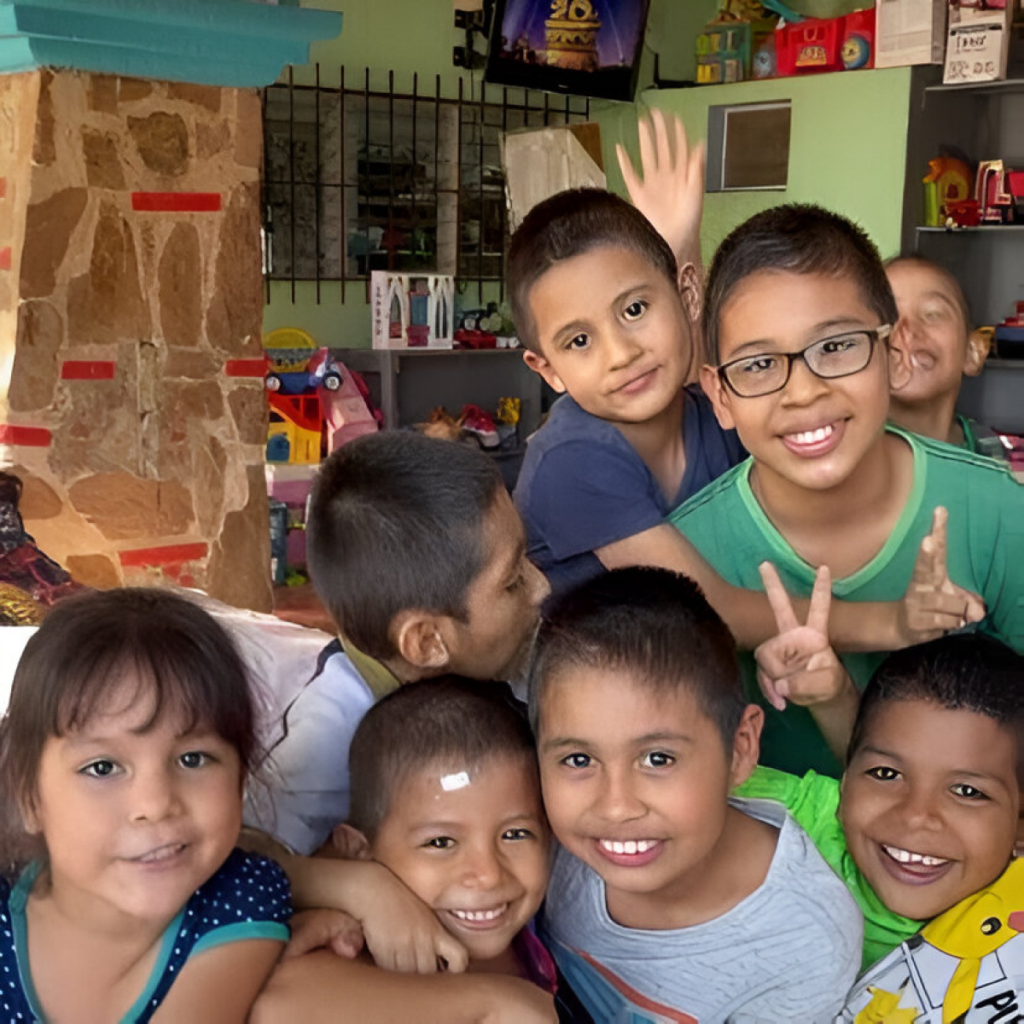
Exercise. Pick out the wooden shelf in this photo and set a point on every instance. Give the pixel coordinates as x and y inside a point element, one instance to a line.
<point>985,229</point>
<point>1006,85</point>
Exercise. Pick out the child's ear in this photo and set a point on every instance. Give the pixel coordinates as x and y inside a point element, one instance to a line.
<point>746,744</point>
<point>712,386</point>
<point>536,362</point>
<point>29,818</point>
<point>346,842</point>
<point>899,364</point>
<point>978,344</point>
<point>691,292</point>
<point>419,639</point>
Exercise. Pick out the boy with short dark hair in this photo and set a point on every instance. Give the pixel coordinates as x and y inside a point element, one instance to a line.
<point>796,324</point>
<point>446,796</point>
<point>927,811</point>
<point>606,318</point>
<point>418,554</point>
<point>668,899</point>
<point>934,334</point>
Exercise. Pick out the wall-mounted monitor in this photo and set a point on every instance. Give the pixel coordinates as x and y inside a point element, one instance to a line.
<point>581,47</point>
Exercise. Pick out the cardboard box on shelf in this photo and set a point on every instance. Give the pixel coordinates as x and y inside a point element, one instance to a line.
<point>909,32</point>
<point>978,41</point>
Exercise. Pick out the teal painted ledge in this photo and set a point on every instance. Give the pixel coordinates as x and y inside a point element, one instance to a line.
<point>214,42</point>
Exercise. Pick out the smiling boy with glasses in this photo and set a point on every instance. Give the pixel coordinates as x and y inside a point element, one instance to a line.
<point>796,323</point>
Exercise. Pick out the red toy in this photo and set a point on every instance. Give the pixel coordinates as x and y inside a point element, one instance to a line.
<point>474,339</point>
<point>964,213</point>
<point>991,190</point>
<point>810,46</point>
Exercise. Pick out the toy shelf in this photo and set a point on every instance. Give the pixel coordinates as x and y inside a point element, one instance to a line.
<point>408,383</point>
<point>437,350</point>
<point>994,397</point>
<point>1005,86</point>
<point>979,230</point>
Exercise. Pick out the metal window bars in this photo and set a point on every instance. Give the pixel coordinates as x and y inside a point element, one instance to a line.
<point>357,179</point>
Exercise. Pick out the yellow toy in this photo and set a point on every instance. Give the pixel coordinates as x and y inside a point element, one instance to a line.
<point>965,966</point>
<point>972,930</point>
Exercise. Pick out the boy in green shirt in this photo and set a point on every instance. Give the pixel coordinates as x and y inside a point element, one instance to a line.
<point>797,317</point>
<point>927,811</point>
<point>935,336</point>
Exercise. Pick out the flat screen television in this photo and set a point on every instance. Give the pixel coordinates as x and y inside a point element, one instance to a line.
<point>581,47</point>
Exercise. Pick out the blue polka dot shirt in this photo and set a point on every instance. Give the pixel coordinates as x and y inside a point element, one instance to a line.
<point>248,898</point>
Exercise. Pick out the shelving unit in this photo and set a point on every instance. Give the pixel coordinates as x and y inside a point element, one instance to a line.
<point>407,384</point>
<point>983,121</point>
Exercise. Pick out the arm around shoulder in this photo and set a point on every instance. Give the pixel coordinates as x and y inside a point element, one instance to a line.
<point>747,613</point>
<point>321,988</point>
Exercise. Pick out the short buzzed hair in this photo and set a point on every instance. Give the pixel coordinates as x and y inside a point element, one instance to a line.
<point>958,672</point>
<point>396,523</point>
<point>797,238</point>
<point>653,624</point>
<point>449,721</point>
<point>569,224</point>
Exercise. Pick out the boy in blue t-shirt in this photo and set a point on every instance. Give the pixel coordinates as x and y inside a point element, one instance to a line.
<point>607,318</point>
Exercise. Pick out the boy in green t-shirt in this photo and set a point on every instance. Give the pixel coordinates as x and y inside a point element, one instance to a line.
<point>934,333</point>
<point>797,317</point>
<point>927,811</point>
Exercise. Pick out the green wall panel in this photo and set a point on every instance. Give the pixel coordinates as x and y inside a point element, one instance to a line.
<point>847,146</point>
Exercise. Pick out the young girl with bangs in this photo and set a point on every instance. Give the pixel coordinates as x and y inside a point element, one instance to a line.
<point>123,754</point>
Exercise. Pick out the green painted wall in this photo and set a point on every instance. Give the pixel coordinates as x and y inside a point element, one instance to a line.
<point>847,146</point>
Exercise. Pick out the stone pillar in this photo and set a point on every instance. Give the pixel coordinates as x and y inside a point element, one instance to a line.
<point>131,394</point>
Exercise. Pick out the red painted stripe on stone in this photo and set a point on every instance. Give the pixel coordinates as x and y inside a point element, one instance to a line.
<point>245,367</point>
<point>167,555</point>
<point>28,437</point>
<point>3,187</point>
<point>87,369</point>
<point>176,202</point>
<point>5,258</point>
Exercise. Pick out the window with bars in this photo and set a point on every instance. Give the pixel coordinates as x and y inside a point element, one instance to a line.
<point>357,180</point>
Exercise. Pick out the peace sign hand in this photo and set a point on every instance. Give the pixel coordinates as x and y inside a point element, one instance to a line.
<point>934,604</point>
<point>799,663</point>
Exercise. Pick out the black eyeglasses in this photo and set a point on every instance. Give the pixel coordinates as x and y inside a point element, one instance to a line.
<point>838,356</point>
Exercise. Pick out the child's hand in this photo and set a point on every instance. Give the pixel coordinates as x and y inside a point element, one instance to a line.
<point>934,604</point>
<point>402,933</point>
<point>671,193</point>
<point>799,664</point>
<point>327,929</point>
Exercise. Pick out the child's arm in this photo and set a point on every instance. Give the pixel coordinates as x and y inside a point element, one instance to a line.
<point>324,929</point>
<point>401,932</point>
<point>321,988</point>
<point>220,984</point>
<point>799,664</point>
<point>670,193</point>
<point>932,605</point>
